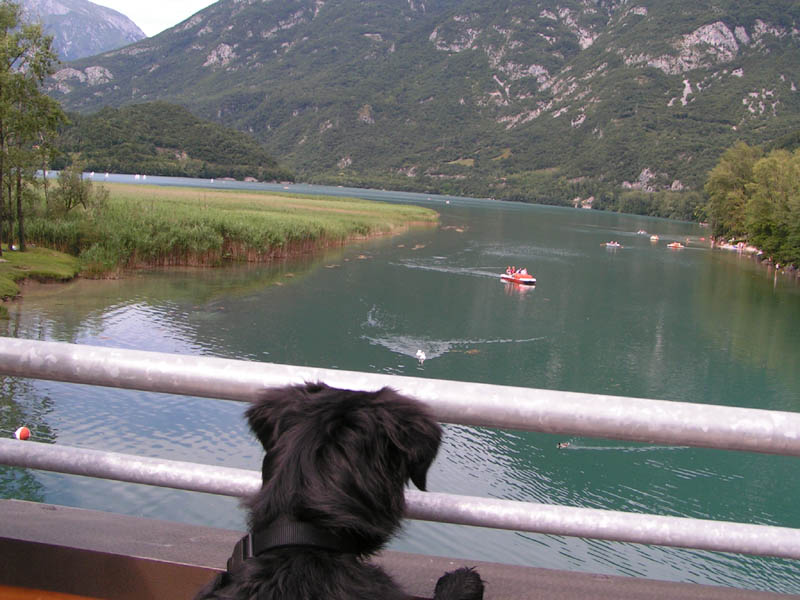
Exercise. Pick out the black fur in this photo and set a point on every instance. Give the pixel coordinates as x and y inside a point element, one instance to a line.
<point>461,584</point>
<point>338,460</point>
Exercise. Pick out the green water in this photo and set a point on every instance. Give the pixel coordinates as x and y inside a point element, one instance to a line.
<point>693,325</point>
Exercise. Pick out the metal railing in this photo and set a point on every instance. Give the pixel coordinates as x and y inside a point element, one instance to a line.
<point>453,402</point>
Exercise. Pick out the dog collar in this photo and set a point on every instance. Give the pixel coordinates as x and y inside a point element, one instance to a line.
<point>285,531</point>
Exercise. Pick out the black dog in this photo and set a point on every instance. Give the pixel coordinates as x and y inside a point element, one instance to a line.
<point>333,478</point>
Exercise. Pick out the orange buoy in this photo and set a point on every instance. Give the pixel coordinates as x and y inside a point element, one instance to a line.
<point>23,433</point>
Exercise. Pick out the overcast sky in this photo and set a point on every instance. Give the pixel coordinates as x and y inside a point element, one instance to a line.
<point>154,16</point>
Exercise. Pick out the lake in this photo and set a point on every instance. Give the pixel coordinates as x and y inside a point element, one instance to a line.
<point>694,325</point>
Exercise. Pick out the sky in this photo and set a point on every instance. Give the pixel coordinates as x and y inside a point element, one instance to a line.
<point>154,16</point>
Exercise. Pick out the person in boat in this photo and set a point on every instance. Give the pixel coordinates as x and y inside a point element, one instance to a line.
<point>523,271</point>
<point>508,270</point>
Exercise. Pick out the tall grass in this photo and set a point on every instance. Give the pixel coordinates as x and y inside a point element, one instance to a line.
<point>155,226</point>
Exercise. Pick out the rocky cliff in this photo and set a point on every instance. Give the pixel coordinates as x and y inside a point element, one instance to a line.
<point>81,28</point>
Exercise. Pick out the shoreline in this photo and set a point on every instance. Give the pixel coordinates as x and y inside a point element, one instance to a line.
<point>757,255</point>
<point>218,260</point>
<point>35,264</point>
<point>146,227</point>
<point>291,250</point>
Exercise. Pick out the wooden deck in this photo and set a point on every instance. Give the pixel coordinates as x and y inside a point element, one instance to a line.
<point>8,592</point>
<point>101,555</point>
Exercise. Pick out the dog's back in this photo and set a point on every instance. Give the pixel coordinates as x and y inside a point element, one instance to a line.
<point>304,574</point>
<point>333,480</point>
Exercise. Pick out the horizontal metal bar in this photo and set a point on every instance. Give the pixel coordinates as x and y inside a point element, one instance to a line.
<point>591,415</point>
<point>618,526</point>
<point>683,532</point>
<point>225,481</point>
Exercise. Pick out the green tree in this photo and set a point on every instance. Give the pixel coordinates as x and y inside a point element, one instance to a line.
<point>773,209</point>
<point>727,191</point>
<point>73,190</point>
<point>27,117</point>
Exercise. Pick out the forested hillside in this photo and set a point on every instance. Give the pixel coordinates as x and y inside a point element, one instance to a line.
<point>164,139</point>
<point>547,100</point>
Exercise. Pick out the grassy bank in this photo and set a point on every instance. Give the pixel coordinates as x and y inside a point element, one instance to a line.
<point>157,226</point>
<point>40,264</point>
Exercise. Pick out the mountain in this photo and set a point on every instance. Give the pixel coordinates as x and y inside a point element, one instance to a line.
<point>157,138</point>
<point>501,98</point>
<point>81,28</point>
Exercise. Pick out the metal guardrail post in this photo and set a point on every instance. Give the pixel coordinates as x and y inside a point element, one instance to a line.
<point>701,534</point>
<point>590,415</point>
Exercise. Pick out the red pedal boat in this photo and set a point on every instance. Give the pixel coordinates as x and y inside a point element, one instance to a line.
<point>521,278</point>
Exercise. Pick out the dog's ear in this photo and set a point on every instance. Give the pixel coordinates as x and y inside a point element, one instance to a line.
<point>419,464</point>
<point>414,432</point>
<point>275,410</point>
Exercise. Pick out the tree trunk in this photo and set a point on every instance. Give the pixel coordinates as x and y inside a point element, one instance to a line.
<point>20,227</point>
<point>44,181</point>
<point>2,168</point>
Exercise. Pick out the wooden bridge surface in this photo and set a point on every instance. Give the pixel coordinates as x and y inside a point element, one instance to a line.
<point>63,551</point>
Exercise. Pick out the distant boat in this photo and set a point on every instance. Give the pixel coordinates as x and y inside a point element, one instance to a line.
<point>675,245</point>
<point>613,245</point>
<point>641,232</point>
<point>654,238</point>
<point>523,278</point>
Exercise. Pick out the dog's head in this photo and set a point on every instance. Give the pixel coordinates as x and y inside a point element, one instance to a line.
<point>340,459</point>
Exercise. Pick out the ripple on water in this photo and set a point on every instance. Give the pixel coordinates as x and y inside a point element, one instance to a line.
<point>435,266</point>
<point>408,345</point>
<point>528,252</point>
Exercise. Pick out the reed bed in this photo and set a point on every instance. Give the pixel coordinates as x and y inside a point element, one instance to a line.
<point>143,226</point>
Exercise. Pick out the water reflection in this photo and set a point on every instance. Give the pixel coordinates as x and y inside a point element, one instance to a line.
<point>751,328</point>
<point>632,477</point>
<point>17,411</point>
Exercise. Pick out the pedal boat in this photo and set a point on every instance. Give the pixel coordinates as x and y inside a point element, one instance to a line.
<point>519,278</point>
